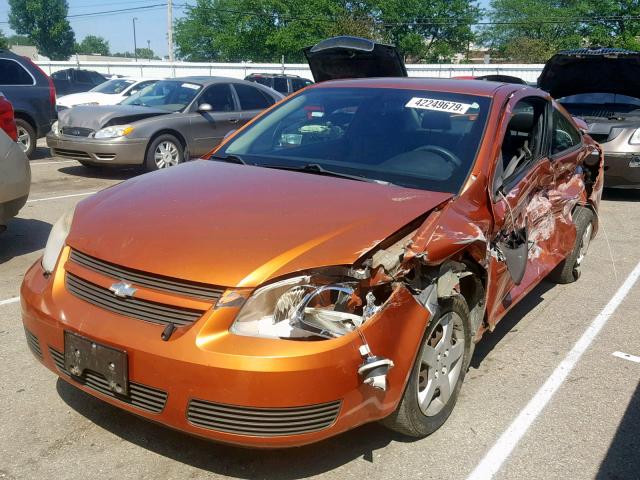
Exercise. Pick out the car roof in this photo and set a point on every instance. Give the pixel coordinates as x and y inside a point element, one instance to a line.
<point>205,80</point>
<point>285,75</point>
<point>475,87</point>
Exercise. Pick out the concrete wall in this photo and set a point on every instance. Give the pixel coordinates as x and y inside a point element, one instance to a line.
<point>146,68</point>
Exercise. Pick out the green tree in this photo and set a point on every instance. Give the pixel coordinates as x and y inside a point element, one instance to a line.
<point>264,30</point>
<point>45,23</point>
<point>146,53</point>
<point>92,45</point>
<point>19,40</point>
<point>621,32</point>
<point>4,43</point>
<point>429,30</point>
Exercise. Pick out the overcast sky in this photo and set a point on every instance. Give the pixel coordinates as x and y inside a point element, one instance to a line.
<point>117,27</point>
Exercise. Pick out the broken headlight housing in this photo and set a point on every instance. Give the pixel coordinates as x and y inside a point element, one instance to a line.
<point>55,242</point>
<point>304,306</point>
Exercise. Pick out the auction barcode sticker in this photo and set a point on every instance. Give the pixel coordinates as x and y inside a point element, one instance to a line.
<point>438,105</point>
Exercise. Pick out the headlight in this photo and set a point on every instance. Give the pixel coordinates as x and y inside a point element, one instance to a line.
<point>304,306</point>
<point>56,241</point>
<point>115,131</point>
<point>635,138</point>
<point>54,128</point>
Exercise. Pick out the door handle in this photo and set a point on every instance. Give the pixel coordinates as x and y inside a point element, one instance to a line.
<point>234,120</point>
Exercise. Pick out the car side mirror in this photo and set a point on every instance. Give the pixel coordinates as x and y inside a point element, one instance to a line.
<point>205,107</point>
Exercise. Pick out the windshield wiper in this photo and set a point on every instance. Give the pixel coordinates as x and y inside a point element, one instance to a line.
<point>228,158</point>
<point>320,170</point>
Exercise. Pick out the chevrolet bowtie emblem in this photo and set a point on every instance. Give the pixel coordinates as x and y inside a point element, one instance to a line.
<point>122,290</point>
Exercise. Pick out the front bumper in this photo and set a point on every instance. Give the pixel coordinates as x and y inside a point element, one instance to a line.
<point>212,381</point>
<point>622,169</point>
<point>116,151</point>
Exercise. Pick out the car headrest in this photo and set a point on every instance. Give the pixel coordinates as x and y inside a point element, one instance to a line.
<point>522,122</point>
<point>436,121</point>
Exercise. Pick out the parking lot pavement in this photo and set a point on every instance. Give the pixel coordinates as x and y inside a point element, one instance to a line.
<point>588,429</point>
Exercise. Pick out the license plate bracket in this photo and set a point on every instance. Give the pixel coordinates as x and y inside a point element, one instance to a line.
<point>82,354</point>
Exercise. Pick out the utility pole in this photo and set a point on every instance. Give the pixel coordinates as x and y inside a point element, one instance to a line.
<point>135,46</point>
<point>170,28</point>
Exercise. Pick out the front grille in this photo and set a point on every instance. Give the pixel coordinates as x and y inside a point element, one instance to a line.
<point>141,396</point>
<point>75,154</point>
<point>33,343</point>
<point>130,307</point>
<point>77,131</point>
<point>143,279</point>
<point>262,422</point>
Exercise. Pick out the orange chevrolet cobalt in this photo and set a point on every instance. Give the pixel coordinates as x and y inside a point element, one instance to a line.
<point>332,263</point>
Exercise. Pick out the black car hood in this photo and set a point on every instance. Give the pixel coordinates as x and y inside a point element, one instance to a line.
<point>353,57</point>
<point>592,70</point>
<point>100,116</point>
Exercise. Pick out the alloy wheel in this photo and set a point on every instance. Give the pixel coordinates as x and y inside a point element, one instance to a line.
<point>441,364</point>
<point>24,139</point>
<point>166,155</point>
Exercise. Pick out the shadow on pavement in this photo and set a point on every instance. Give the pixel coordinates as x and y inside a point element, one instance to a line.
<point>23,236</point>
<point>509,322</point>
<point>40,153</point>
<point>621,194</point>
<point>292,463</point>
<point>101,172</point>
<point>622,461</point>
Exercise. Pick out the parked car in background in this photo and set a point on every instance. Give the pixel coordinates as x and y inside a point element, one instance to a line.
<point>108,93</point>
<point>15,176</point>
<point>600,86</point>
<point>285,84</point>
<point>33,96</point>
<point>340,256</point>
<point>160,126</point>
<point>74,80</point>
<point>7,120</point>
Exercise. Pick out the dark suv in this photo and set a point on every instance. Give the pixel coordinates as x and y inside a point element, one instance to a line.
<point>75,80</point>
<point>32,94</point>
<point>285,84</point>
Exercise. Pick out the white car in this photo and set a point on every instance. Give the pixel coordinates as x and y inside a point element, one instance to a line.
<point>110,92</point>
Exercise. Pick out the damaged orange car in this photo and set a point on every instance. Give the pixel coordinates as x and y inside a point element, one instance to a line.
<point>332,263</point>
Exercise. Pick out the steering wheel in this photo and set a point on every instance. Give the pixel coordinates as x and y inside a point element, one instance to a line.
<point>448,155</point>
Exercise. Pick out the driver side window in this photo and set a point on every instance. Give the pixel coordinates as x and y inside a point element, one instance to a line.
<point>219,97</point>
<point>524,139</point>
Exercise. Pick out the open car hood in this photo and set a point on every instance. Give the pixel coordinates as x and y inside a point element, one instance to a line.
<point>592,70</point>
<point>353,57</point>
<point>100,116</point>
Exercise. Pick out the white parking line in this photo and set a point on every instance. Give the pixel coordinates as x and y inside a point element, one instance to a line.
<point>626,356</point>
<point>60,196</point>
<point>9,300</point>
<point>495,457</point>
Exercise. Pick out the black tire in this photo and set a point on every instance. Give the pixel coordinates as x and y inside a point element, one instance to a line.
<point>568,270</point>
<point>409,419</point>
<point>150,162</point>
<point>25,127</point>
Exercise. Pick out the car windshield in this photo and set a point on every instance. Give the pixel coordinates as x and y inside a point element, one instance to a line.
<point>111,87</point>
<point>169,95</point>
<point>413,138</point>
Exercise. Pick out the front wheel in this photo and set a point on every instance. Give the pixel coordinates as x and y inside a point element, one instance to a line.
<point>438,373</point>
<point>165,151</point>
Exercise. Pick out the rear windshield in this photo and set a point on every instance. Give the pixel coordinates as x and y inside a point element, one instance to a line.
<point>169,95</point>
<point>115,86</point>
<point>413,138</point>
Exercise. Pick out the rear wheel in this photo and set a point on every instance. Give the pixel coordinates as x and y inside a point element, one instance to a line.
<point>437,376</point>
<point>569,269</point>
<point>27,138</point>
<point>165,151</point>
